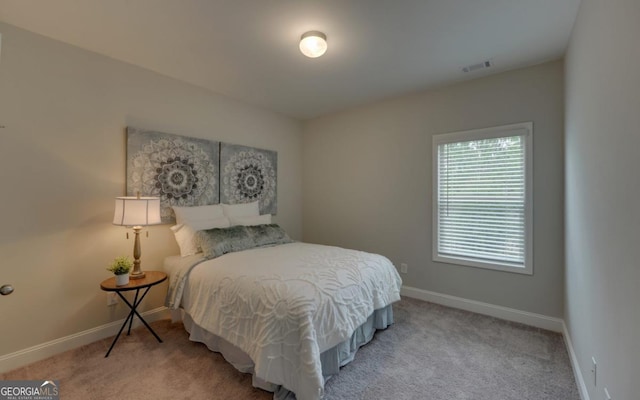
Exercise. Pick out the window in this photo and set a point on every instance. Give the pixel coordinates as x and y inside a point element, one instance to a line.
<point>482,196</point>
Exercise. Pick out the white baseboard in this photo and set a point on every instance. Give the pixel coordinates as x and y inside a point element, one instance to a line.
<point>577,373</point>
<point>509,314</point>
<point>39,352</point>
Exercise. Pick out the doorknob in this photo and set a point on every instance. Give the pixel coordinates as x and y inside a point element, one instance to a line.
<point>6,290</point>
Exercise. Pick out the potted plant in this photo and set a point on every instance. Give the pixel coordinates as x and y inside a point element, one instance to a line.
<point>121,267</point>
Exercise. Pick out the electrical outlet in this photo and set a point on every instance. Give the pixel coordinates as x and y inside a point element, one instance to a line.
<point>606,394</point>
<point>594,371</point>
<point>112,299</point>
<point>404,268</point>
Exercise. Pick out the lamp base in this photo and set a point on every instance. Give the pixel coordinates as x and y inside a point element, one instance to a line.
<point>137,272</point>
<point>139,275</point>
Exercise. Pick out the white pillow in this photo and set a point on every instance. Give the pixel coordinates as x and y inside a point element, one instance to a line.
<point>184,237</point>
<point>188,215</point>
<point>248,221</point>
<point>185,234</point>
<point>241,210</point>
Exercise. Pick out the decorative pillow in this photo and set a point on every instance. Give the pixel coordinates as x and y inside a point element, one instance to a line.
<point>185,234</point>
<point>247,221</point>
<point>218,241</point>
<point>268,234</point>
<point>189,215</point>
<point>241,210</point>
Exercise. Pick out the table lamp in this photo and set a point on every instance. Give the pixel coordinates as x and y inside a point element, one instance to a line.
<point>137,212</point>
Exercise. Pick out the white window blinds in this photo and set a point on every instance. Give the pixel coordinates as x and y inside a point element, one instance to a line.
<point>482,200</point>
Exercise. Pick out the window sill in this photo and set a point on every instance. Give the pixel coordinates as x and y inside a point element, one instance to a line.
<point>504,267</point>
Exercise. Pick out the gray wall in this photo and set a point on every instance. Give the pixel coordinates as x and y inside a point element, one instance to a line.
<point>603,195</point>
<point>62,163</point>
<point>367,182</point>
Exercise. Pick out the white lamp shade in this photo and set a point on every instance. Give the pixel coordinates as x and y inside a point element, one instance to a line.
<point>313,44</point>
<point>134,211</point>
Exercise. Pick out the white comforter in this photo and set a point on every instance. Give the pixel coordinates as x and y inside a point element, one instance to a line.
<point>286,304</point>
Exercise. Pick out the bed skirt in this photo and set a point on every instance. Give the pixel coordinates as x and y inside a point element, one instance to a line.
<point>331,359</point>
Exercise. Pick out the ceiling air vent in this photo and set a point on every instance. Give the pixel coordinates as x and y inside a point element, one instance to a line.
<point>478,66</point>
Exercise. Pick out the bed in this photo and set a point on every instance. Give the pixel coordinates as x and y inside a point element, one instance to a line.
<point>289,313</point>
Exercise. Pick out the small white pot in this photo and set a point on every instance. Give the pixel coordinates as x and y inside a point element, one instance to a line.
<point>122,280</point>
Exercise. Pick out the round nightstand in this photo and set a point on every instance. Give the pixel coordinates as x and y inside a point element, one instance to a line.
<point>152,278</point>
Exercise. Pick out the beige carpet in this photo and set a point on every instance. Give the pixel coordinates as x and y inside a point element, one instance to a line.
<point>432,352</point>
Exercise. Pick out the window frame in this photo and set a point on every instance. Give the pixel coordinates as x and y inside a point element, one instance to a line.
<point>519,129</point>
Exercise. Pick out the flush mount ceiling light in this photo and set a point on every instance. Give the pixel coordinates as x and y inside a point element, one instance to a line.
<point>313,44</point>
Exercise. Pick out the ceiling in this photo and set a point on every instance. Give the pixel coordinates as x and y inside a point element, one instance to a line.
<point>248,49</point>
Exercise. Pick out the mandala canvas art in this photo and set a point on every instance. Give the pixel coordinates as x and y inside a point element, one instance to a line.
<point>182,171</point>
<point>249,174</point>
